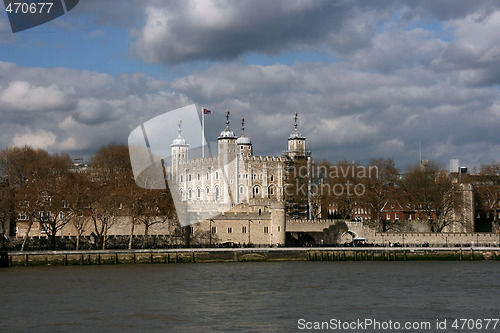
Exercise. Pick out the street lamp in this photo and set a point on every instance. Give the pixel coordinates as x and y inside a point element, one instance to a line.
<point>249,221</point>
<point>210,230</point>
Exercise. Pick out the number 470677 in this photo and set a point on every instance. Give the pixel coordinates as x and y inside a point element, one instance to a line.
<point>474,324</point>
<point>29,8</point>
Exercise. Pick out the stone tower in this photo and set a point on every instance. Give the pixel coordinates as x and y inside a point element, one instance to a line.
<point>227,169</point>
<point>278,223</point>
<point>243,142</point>
<point>296,142</point>
<point>179,151</point>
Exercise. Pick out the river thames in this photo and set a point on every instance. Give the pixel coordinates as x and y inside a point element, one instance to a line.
<point>247,297</point>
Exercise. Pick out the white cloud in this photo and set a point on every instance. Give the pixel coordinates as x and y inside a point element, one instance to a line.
<point>474,53</point>
<point>39,139</point>
<point>23,96</point>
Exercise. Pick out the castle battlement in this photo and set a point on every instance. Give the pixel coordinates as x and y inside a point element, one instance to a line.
<point>304,221</point>
<point>201,160</point>
<point>265,158</point>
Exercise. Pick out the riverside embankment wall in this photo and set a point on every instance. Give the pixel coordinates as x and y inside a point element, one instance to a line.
<point>67,258</point>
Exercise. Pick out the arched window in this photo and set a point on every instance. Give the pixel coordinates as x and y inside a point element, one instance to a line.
<point>271,190</point>
<point>208,190</point>
<point>256,192</point>
<point>199,192</point>
<point>181,193</point>
<point>217,193</point>
<point>190,194</point>
<point>198,176</point>
<point>216,174</point>
<point>272,177</point>
<point>189,177</point>
<point>241,189</point>
<point>181,179</point>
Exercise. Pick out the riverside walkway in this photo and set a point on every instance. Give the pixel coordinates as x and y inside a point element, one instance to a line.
<point>200,255</point>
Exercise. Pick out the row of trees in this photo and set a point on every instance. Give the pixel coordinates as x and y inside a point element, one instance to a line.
<point>426,188</point>
<point>48,189</point>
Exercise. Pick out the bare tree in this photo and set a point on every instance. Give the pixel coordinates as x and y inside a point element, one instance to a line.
<point>341,187</point>
<point>112,177</point>
<point>37,181</point>
<point>488,191</point>
<point>380,188</point>
<point>78,202</point>
<point>150,207</point>
<point>430,189</point>
<point>6,208</point>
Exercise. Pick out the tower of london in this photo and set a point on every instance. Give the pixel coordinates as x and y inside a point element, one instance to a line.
<point>234,189</point>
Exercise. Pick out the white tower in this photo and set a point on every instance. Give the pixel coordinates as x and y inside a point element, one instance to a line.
<point>243,142</point>
<point>228,164</point>
<point>179,149</point>
<point>296,142</point>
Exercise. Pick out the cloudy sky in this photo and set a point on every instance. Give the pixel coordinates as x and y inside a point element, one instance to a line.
<point>368,78</point>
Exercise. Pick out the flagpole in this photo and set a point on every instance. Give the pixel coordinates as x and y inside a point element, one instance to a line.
<point>202,132</point>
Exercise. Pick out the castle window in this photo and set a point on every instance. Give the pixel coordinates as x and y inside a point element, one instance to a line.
<point>199,192</point>
<point>271,190</point>
<point>266,230</point>
<point>241,147</point>
<point>256,191</point>
<point>208,190</point>
<point>181,179</point>
<point>190,194</point>
<point>216,174</point>
<point>191,230</point>
<point>272,177</point>
<point>198,177</point>
<point>181,193</point>
<point>279,228</point>
<point>189,177</point>
<point>214,230</point>
<point>244,230</point>
<point>208,175</point>
<point>229,230</point>
<point>241,189</point>
<point>217,193</point>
